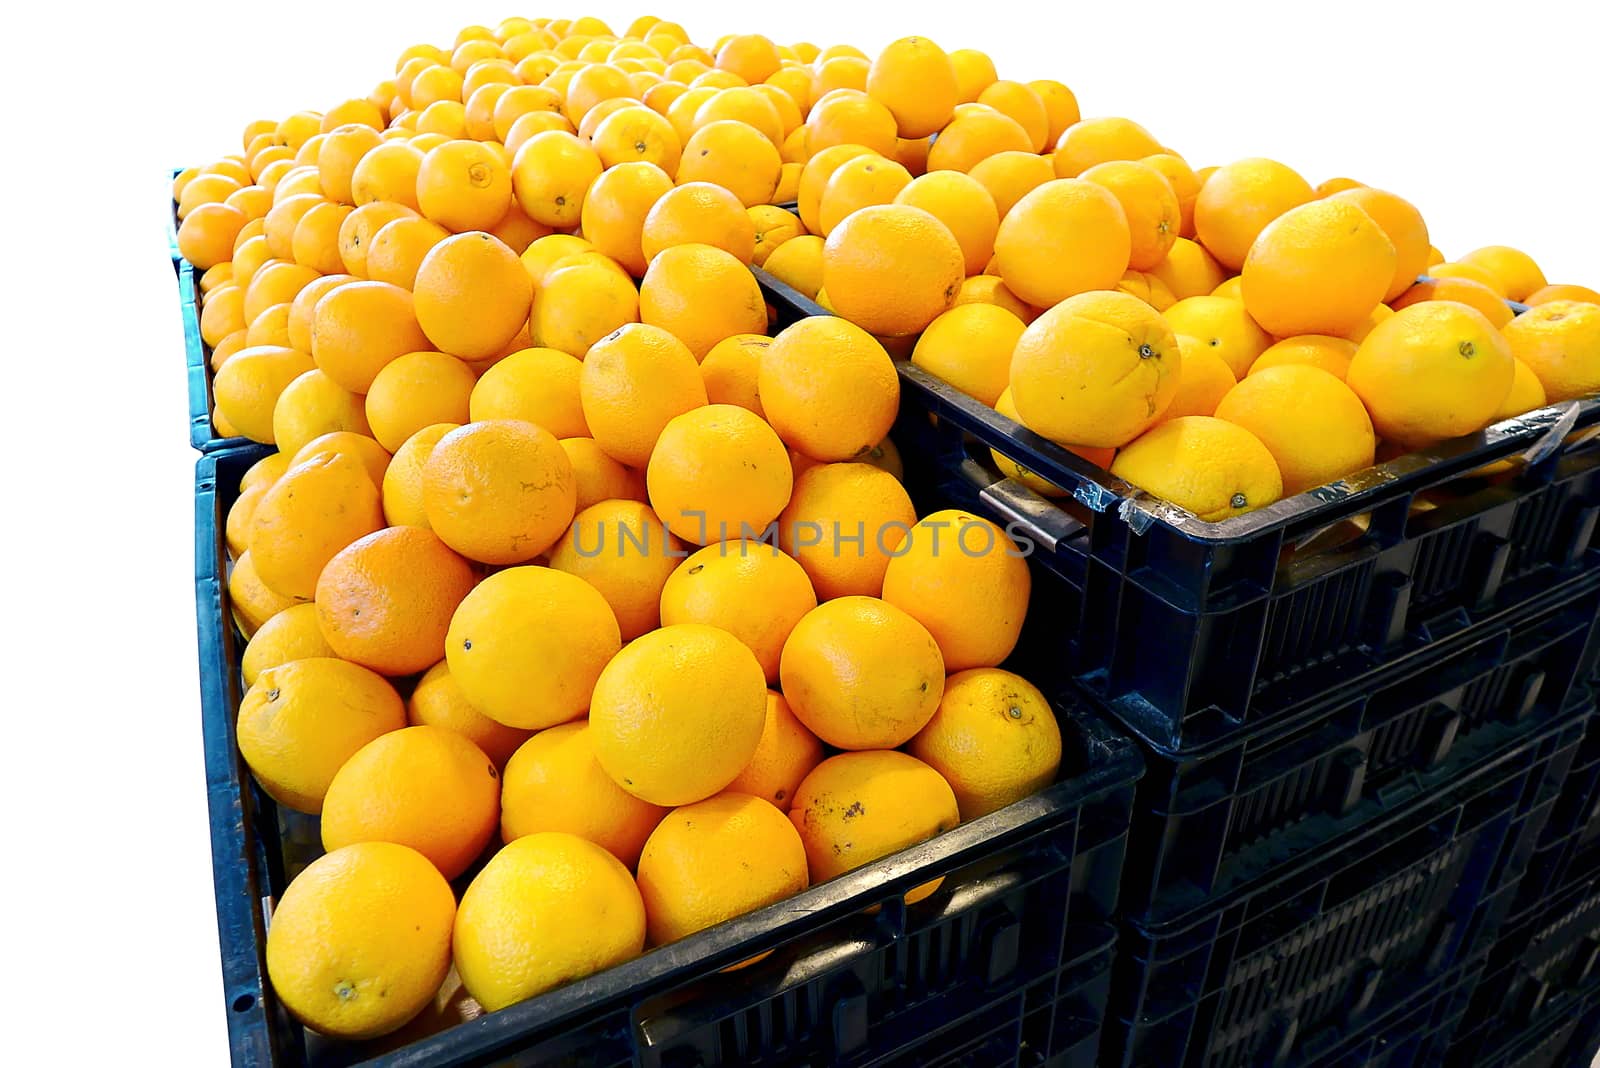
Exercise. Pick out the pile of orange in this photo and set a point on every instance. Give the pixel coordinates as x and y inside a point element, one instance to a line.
<point>572,585</point>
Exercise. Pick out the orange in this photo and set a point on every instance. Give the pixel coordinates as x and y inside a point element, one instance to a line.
<point>547,909</point>
<point>1431,371</point>
<point>681,111</point>
<point>271,327</point>
<point>1182,178</point>
<point>281,221</point>
<point>1461,290</point>
<point>423,787</point>
<point>1311,422</point>
<point>226,348</point>
<point>592,84</point>
<point>616,208</point>
<point>472,295</point>
<point>701,294</point>
<point>215,276</point>
<point>1330,354</point>
<point>916,81</point>
<point>499,492</point>
<point>891,269</point>
<point>1060,105</point>
<point>247,387</point>
<point>970,347</point>
<point>545,254</point>
<point>1020,103</point>
<point>360,940</point>
<point>1204,379</point>
<point>1088,142</point>
<point>731,371</point>
<point>855,808</point>
<point>1516,271</point>
<point>698,213</point>
<point>275,283</point>
<point>301,721</point>
<point>746,105</point>
<point>1189,270</point>
<point>1212,468</point>
<point>1402,223</point>
<point>1118,353</point>
<point>438,701</point>
<point>859,183</point>
<point>223,314</point>
<point>773,227</point>
<point>634,382</point>
<point>994,740</point>
<point>719,472</point>
<point>402,479</point>
<point>798,263</point>
<point>912,154</point>
<point>839,72</point>
<point>477,118</point>
<point>414,391</point>
<point>843,524</point>
<point>635,134</point>
<point>1560,343</point>
<point>1238,201</point>
<point>251,602</point>
<point>1010,176</point>
<point>373,458</point>
<point>313,405</point>
<point>206,235</point>
<point>1224,326</point>
<point>580,305</point>
<point>236,528</point>
<point>387,172</point>
<point>814,177</point>
<point>290,635</point>
<point>535,385</point>
<point>717,859</point>
<point>974,73</point>
<point>1150,205</point>
<point>1065,237</point>
<point>463,185</point>
<point>751,56</point>
<point>1319,268</point>
<point>966,208</point>
<point>734,155</point>
<point>828,388</point>
<point>523,130</point>
<point>1233,289</point>
<point>317,508</point>
<point>206,189</point>
<point>1148,288</point>
<point>989,289</point>
<point>599,477</point>
<point>1582,294</point>
<point>527,644</point>
<point>359,328</point>
<point>551,175</point>
<point>517,101</point>
<point>358,230</point>
<point>398,249</point>
<point>851,117</point>
<point>786,754</point>
<point>749,589</point>
<point>1527,393</point>
<point>265,471</point>
<point>385,600</point>
<point>975,136</point>
<point>342,150</point>
<point>678,713</point>
<point>623,550</point>
<point>599,113</point>
<point>1469,271</point>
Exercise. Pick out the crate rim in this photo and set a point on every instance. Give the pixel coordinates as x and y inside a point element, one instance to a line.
<point>1538,432</point>
<point>1116,765</point>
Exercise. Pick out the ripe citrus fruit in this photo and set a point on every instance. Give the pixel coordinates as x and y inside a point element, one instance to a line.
<point>423,787</point>
<point>859,183</point>
<point>750,589</point>
<point>734,155</point>
<point>1432,371</point>
<point>472,295</point>
<point>785,755</point>
<point>527,644</point>
<point>1560,342</point>
<point>551,175</point>
<point>633,383</point>
<point>861,673</point>
<point>301,721</point>
<point>732,369</point>
<point>1330,354</point>
<point>828,388</point>
<point>1096,369</point>
<point>437,701</point>
<point>1319,268</point>
<point>1516,271</point>
<point>970,347</point>
<point>994,739</point>
<point>1238,201</point>
<point>415,391</point>
<point>719,472</point>
<point>1150,204</point>
<point>701,294</point>
<point>1212,468</point>
<point>316,509</point>
<point>1066,237</point>
<point>1224,326</point>
<point>313,405</point>
<point>292,634</point>
<point>699,213</point>
<point>360,940</point>
<point>599,477</point>
<point>716,859</point>
<point>535,385</point>
<point>798,263</point>
<point>385,600</point>
<point>1203,380</point>
<point>251,602</point>
<point>966,208</point>
<point>965,580</point>
<point>547,909</point>
<point>247,387</point>
<point>617,207</point>
<point>402,479</point>
<point>357,329</point>
<point>1089,142</point>
<point>554,783</point>
<point>915,80</point>
<point>1402,223</point>
<point>842,523</point>
<point>1462,291</point>
<point>1581,294</point>
<point>622,549</point>
<point>499,492</point>
<point>1189,270</point>
<point>891,269</point>
<point>1312,423</point>
<point>580,303</point>
<point>678,713</point>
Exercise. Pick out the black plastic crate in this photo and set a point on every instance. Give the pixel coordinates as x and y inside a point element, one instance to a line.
<point>1193,630</point>
<point>1570,846</point>
<point>197,354</point>
<point>1538,1000</point>
<point>1205,822</point>
<point>1007,964</point>
<point>1318,947</point>
<point>1416,1031</point>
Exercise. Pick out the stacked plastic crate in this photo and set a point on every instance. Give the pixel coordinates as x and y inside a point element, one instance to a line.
<point>1358,710</point>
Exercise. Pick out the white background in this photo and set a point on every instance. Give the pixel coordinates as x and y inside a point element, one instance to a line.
<point>1484,116</point>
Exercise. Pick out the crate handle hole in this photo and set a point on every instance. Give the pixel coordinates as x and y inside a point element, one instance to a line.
<point>244,1003</point>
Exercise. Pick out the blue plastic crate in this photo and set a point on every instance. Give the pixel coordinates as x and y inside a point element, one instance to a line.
<point>1007,964</point>
<point>197,355</point>
<point>1415,1030</point>
<point>1570,846</point>
<point>1205,822</point>
<point>172,225</point>
<point>1319,947</point>
<point>1191,631</point>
